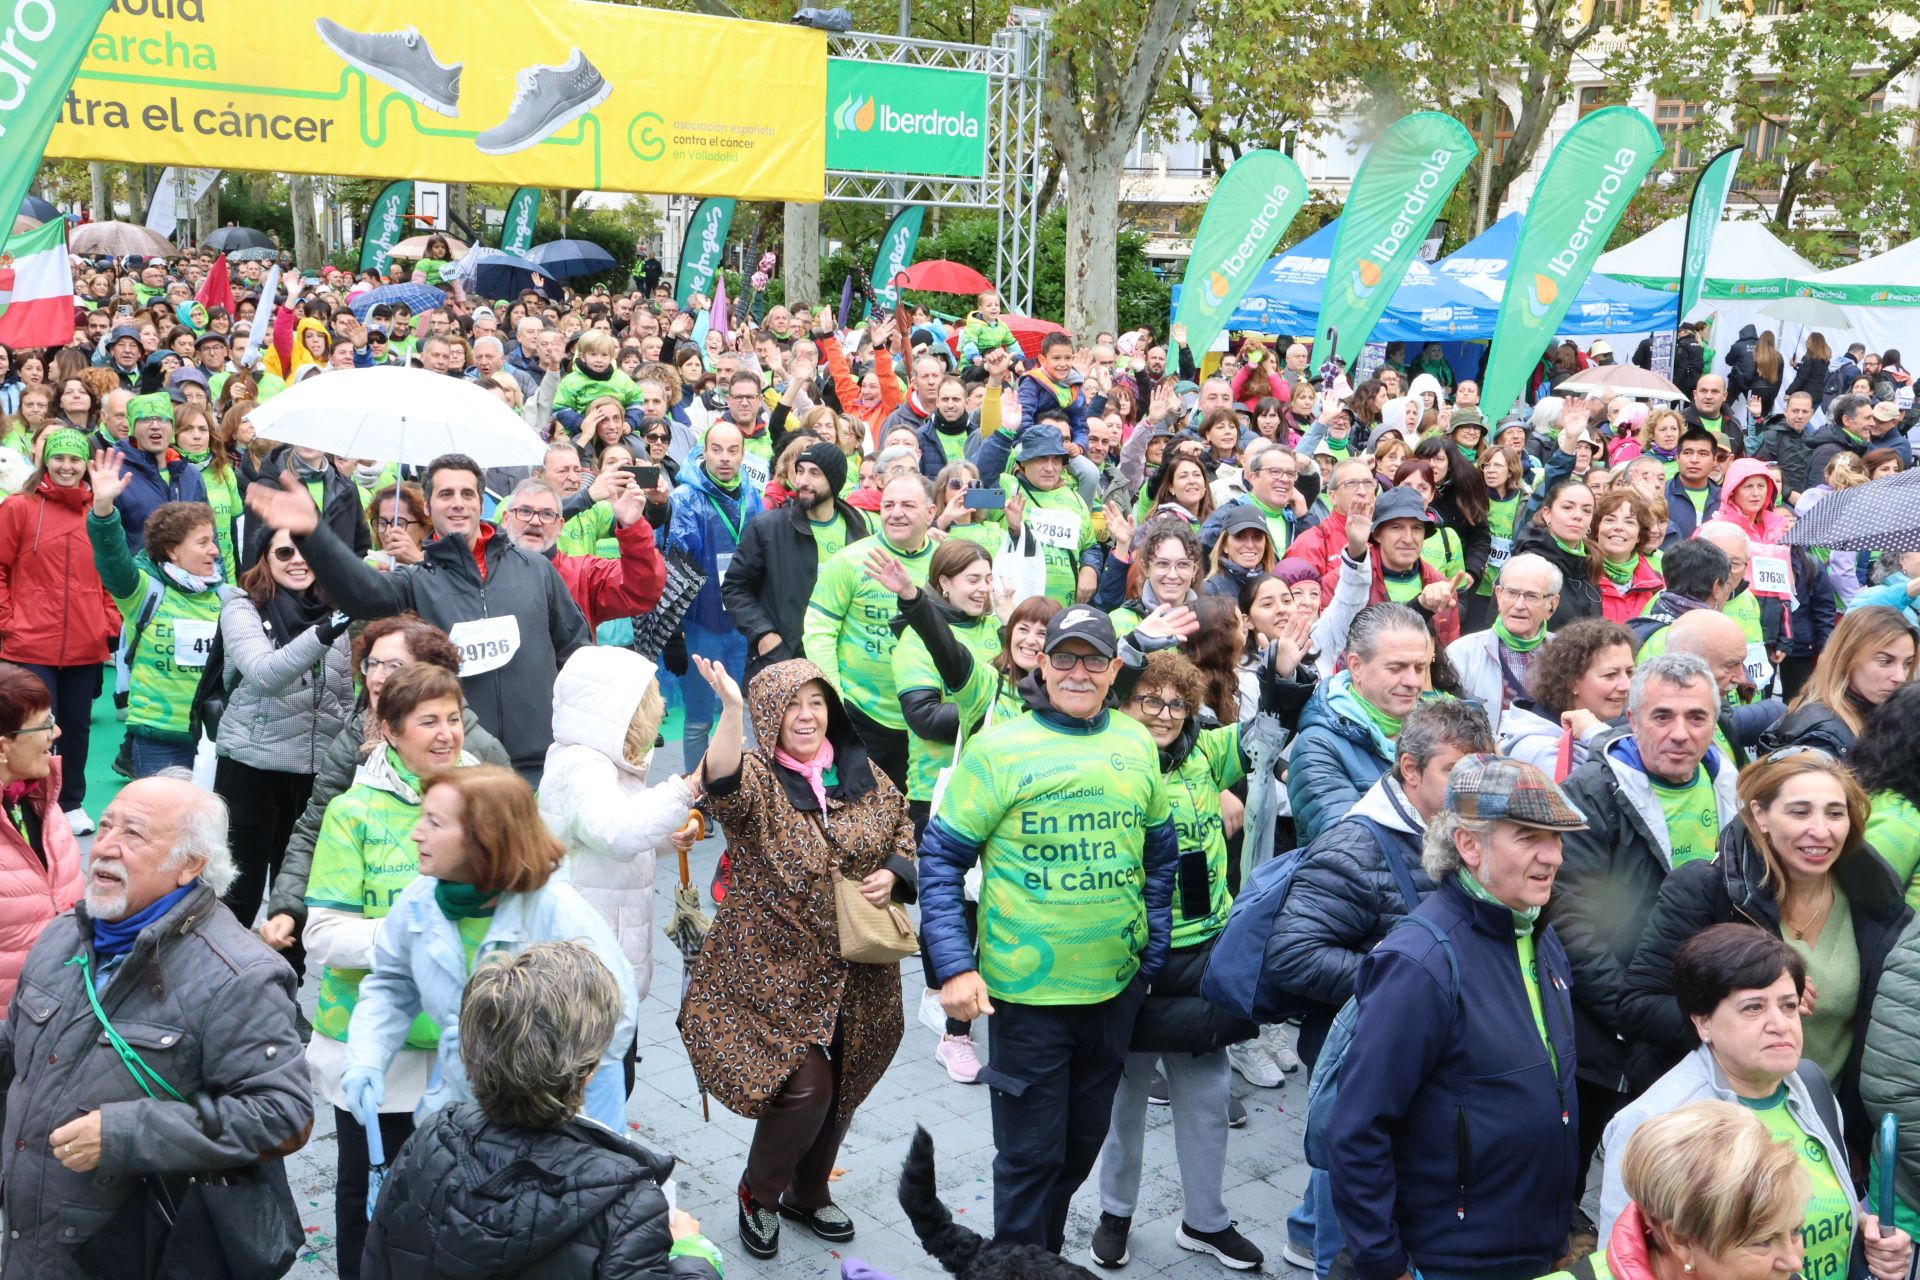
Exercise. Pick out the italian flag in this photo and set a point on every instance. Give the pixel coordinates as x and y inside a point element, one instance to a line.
<point>36,288</point>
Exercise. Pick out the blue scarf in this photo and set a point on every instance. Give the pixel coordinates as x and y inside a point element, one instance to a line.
<point>114,938</point>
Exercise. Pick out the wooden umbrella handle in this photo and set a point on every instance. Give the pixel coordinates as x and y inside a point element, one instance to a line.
<point>697,823</point>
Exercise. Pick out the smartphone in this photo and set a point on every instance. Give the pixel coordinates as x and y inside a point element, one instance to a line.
<point>984,499</point>
<point>645,477</point>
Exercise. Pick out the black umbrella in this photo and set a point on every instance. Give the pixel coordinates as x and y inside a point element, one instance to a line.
<point>568,259</point>
<point>1876,516</point>
<point>37,209</point>
<point>227,239</point>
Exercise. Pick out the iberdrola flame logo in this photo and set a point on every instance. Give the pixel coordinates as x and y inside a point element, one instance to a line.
<point>853,115</point>
<point>1216,287</point>
<point>1366,278</point>
<point>1540,297</point>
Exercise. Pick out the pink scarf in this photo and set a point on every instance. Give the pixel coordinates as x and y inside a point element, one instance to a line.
<point>812,770</point>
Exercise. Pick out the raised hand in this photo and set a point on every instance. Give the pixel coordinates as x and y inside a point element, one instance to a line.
<point>724,686</point>
<point>1170,622</point>
<point>889,573</point>
<point>108,476</point>
<point>289,507</point>
<point>1120,529</point>
<point>630,508</point>
<point>1017,509</point>
<point>1003,598</point>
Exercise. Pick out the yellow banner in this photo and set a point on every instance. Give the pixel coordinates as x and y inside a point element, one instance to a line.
<point>545,93</point>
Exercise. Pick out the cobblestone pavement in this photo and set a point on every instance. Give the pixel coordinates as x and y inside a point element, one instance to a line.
<point>1265,1172</point>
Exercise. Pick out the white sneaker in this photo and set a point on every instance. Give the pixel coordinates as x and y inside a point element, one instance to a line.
<point>79,823</point>
<point>956,1054</point>
<point>1254,1066</point>
<point>1273,1042</point>
<point>933,1016</point>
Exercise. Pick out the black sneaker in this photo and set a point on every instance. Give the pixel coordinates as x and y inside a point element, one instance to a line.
<point>759,1226</point>
<point>123,760</point>
<point>1236,1114</point>
<point>1109,1246</point>
<point>829,1222</point>
<point>1158,1093</point>
<point>1229,1246</point>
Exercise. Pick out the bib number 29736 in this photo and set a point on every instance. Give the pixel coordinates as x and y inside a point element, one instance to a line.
<point>485,644</point>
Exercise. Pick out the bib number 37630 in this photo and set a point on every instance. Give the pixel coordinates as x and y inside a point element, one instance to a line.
<point>485,644</point>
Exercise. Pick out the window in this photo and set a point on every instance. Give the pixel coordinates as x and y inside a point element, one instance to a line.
<point>1594,97</point>
<point>1765,139</point>
<point>1673,117</point>
<point>1614,12</point>
<point>1502,130</point>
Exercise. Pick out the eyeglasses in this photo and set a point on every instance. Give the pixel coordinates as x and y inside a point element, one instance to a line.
<point>1170,566</point>
<point>284,554</point>
<point>1357,483</point>
<point>1530,598</point>
<point>374,666</point>
<point>51,725</point>
<point>534,515</point>
<point>1178,708</point>
<point>1279,473</point>
<point>743,396</point>
<point>1092,662</point>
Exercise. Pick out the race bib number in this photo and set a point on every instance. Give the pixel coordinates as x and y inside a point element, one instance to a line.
<point>1055,528</point>
<point>755,468</point>
<point>1772,571</point>
<point>721,560</point>
<point>193,642</point>
<point>1502,548</point>
<point>485,644</point>
<point>1759,668</point>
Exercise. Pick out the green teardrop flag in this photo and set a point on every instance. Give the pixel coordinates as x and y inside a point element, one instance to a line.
<point>895,255</point>
<point>1250,208</point>
<point>516,227</point>
<point>1703,219</point>
<point>386,225</point>
<point>700,255</point>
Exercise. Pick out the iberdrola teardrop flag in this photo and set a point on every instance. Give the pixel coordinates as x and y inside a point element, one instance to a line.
<point>41,45</point>
<point>1403,183</point>
<point>700,255</point>
<point>895,255</point>
<point>1251,206</point>
<point>1703,219</point>
<point>1585,188</point>
<point>36,288</point>
<point>516,228</point>
<point>386,225</point>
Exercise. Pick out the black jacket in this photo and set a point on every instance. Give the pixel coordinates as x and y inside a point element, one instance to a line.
<point>1811,377</point>
<point>340,507</point>
<point>1830,439</point>
<point>1788,448</point>
<point>470,1198</point>
<point>1689,364</point>
<point>1579,597</point>
<point>1740,362</point>
<point>1730,889</point>
<point>1814,724</point>
<point>1476,540</point>
<point>772,576</point>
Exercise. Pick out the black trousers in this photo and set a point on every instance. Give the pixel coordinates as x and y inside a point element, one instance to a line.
<point>262,807</point>
<point>796,1139</point>
<point>1052,1071</point>
<point>350,1191</point>
<point>73,690</point>
<point>886,747</point>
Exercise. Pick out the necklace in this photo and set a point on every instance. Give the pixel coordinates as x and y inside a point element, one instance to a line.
<point>1799,931</point>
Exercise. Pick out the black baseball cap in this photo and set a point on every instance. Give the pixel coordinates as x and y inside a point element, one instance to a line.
<point>1082,622</point>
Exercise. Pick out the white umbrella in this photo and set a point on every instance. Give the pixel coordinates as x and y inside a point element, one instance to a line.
<point>1810,312</point>
<point>395,414</point>
<point>1621,380</point>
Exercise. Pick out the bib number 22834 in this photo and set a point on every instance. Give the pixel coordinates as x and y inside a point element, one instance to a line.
<point>485,644</point>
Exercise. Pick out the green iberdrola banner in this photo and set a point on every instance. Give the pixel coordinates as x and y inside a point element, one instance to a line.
<point>516,228</point>
<point>43,44</point>
<point>1703,218</point>
<point>1585,188</point>
<point>700,255</point>
<point>386,225</point>
<point>1251,206</point>
<point>895,255</point>
<point>1403,183</point>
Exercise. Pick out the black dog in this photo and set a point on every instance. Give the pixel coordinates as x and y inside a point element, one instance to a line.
<point>961,1250</point>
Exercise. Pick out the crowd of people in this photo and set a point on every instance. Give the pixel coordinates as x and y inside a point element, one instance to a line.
<point>1166,685</point>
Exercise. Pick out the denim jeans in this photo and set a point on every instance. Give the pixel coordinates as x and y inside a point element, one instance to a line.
<point>150,756</point>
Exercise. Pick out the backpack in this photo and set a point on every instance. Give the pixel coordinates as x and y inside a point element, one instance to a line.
<point>1324,1087</point>
<point>210,695</point>
<point>1238,975</point>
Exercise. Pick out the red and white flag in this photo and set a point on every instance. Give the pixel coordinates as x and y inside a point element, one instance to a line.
<point>36,288</point>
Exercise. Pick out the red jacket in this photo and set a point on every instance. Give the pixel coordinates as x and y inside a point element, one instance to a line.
<point>33,892</point>
<point>1321,545</point>
<point>1619,604</point>
<point>53,610</point>
<point>1446,623</point>
<point>623,588</point>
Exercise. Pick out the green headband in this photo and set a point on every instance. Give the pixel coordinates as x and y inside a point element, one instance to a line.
<point>157,405</point>
<point>67,443</point>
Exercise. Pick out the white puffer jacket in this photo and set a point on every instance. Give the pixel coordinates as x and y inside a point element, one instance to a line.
<point>599,805</point>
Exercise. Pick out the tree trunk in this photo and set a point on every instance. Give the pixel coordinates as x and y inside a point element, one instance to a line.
<point>1093,237</point>
<point>100,194</point>
<point>800,260</point>
<point>306,226</point>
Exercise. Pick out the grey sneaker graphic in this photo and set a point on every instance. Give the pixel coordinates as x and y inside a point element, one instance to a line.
<point>400,60</point>
<point>548,99</point>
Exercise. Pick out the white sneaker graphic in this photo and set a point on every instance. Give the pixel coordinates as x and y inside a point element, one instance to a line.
<point>548,99</point>
<point>399,59</point>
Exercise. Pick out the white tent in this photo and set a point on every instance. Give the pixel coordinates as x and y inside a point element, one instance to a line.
<point>1747,261</point>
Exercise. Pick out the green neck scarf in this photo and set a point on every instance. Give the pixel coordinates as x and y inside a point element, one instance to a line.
<point>1620,571</point>
<point>198,459</point>
<point>1472,455</point>
<point>725,486</point>
<point>463,901</point>
<point>1571,548</point>
<point>1273,513</point>
<point>1511,641</point>
<point>1522,920</point>
<point>1386,724</point>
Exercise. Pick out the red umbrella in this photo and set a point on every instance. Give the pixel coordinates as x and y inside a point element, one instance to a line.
<point>942,276</point>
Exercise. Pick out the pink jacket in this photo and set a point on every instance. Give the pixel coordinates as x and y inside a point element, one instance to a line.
<point>31,894</point>
<point>1773,523</point>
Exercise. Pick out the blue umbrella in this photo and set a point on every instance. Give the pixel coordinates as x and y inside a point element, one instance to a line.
<point>414,297</point>
<point>566,259</point>
<point>40,210</point>
<point>494,273</point>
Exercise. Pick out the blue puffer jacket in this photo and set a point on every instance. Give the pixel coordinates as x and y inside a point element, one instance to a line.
<point>1455,1141</point>
<point>147,490</point>
<point>706,525</point>
<point>1336,757</point>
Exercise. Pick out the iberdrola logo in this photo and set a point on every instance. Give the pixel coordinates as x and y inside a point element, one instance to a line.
<point>853,115</point>
<point>1216,288</point>
<point>1366,278</point>
<point>1540,297</point>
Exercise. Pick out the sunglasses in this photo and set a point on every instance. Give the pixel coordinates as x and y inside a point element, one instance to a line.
<point>284,554</point>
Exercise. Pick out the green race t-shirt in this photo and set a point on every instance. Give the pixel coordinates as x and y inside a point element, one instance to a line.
<point>581,535</point>
<point>1060,818</point>
<point>1194,791</point>
<point>1828,1233</point>
<point>1403,589</point>
<point>848,634</point>
<point>1063,526</point>
<point>1698,497</point>
<point>171,653</point>
<point>829,536</point>
<point>1693,819</point>
<point>913,669</point>
<point>1893,829</point>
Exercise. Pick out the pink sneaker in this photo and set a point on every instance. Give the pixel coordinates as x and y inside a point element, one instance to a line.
<point>956,1054</point>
